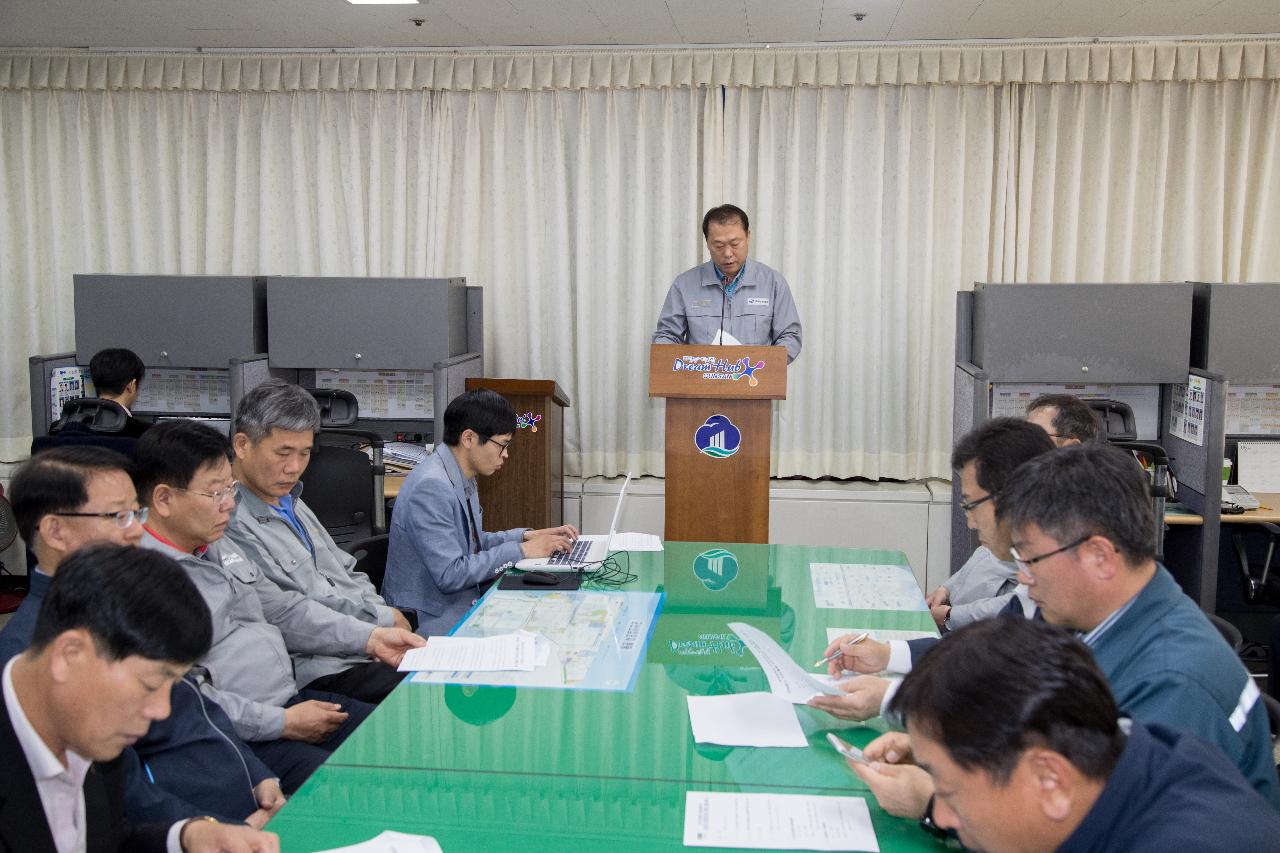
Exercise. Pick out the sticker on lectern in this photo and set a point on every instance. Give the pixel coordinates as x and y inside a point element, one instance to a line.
<point>718,437</point>
<point>716,568</point>
<point>528,421</point>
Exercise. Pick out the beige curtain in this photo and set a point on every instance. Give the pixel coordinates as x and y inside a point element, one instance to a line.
<point>575,203</point>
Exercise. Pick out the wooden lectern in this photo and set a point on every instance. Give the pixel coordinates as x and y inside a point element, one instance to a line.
<point>719,430</point>
<point>528,490</point>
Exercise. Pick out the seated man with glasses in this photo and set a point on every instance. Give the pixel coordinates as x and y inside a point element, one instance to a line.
<point>440,558</point>
<point>66,499</point>
<point>985,460</point>
<point>184,477</point>
<point>1080,522</point>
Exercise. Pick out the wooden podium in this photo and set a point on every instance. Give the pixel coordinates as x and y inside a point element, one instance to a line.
<point>528,490</point>
<point>719,430</point>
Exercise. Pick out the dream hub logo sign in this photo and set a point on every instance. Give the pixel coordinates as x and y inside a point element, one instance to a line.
<point>716,568</point>
<point>718,437</point>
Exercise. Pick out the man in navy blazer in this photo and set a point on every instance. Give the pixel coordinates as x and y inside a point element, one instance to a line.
<point>118,629</point>
<point>440,559</point>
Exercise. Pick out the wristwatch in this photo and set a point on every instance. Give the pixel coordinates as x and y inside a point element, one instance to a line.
<point>946,626</point>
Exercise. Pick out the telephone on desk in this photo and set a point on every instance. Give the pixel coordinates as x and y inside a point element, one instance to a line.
<point>1236,499</point>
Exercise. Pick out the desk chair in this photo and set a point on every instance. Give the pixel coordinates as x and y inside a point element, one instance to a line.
<point>343,485</point>
<point>13,588</point>
<point>92,421</point>
<point>371,558</point>
<point>1120,428</point>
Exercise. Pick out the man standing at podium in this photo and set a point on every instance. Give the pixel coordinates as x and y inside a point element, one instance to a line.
<point>731,299</point>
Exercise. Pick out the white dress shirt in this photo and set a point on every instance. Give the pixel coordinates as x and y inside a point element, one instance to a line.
<point>61,789</point>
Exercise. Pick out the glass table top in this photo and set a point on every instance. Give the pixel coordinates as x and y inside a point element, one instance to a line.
<point>536,768</point>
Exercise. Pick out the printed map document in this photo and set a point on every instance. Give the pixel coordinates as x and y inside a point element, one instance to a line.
<point>488,654</point>
<point>864,586</point>
<point>786,678</point>
<point>588,639</point>
<point>392,842</point>
<point>777,822</point>
<point>745,719</point>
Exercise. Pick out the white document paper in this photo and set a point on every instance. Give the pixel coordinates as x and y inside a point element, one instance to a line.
<point>636,542</point>
<point>745,719</point>
<point>777,822</point>
<point>881,635</point>
<point>865,586</point>
<point>786,677</point>
<point>1258,466</point>
<point>392,842</point>
<point>1186,414</point>
<point>516,651</point>
<point>723,338</point>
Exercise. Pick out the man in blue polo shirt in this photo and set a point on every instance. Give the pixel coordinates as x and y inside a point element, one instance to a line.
<point>731,299</point>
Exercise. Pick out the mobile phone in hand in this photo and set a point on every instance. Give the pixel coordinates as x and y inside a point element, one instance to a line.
<point>848,750</point>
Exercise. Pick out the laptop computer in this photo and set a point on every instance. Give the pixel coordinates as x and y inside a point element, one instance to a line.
<point>587,550</point>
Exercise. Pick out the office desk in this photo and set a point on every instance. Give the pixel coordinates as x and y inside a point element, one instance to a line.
<point>1268,511</point>
<point>501,769</point>
<point>391,484</point>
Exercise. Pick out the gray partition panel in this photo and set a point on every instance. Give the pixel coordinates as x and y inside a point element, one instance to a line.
<point>964,326</point>
<point>41,368</point>
<point>366,323</point>
<point>1198,469</point>
<point>972,409</point>
<point>1092,333</point>
<point>451,380</point>
<point>475,322</point>
<point>1235,332</point>
<point>157,316</point>
<point>248,373</point>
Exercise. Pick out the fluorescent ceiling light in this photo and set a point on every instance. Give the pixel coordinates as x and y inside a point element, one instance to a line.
<point>383,2</point>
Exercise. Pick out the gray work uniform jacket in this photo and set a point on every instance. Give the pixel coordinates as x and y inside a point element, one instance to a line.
<point>268,540</point>
<point>761,311</point>
<point>247,670</point>
<point>981,588</point>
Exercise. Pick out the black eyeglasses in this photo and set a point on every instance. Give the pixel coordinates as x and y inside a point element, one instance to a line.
<point>124,518</point>
<point>970,506</point>
<point>502,448</point>
<point>1031,561</point>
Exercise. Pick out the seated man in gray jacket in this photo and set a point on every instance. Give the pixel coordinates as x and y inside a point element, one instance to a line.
<point>441,559</point>
<point>276,425</point>
<point>184,479</point>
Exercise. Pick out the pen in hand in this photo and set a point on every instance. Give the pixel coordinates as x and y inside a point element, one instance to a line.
<point>838,652</point>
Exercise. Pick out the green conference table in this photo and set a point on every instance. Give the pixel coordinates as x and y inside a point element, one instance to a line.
<point>533,769</point>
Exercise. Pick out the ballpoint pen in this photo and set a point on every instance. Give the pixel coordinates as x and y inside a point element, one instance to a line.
<point>838,652</point>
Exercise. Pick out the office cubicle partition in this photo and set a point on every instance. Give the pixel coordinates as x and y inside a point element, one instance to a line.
<point>1234,335</point>
<point>1017,341</point>
<point>195,334</point>
<point>404,347</point>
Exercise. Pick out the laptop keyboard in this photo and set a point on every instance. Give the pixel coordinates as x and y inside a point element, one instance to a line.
<point>576,554</point>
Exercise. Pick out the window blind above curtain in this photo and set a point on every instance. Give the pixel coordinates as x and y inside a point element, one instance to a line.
<point>1105,62</point>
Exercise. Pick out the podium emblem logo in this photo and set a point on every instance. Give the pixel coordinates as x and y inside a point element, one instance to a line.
<point>528,421</point>
<point>716,568</point>
<point>718,437</point>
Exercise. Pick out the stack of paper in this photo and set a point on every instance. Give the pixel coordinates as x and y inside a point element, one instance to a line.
<point>777,822</point>
<point>521,651</point>
<point>882,635</point>
<point>785,676</point>
<point>392,842</point>
<point>745,719</point>
<point>635,542</point>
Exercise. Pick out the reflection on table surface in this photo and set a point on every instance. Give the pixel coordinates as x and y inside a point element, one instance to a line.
<point>505,768</point>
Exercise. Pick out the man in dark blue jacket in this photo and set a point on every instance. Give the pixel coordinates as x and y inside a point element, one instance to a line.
<point>192,762</point>
<point>1016,724</point>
